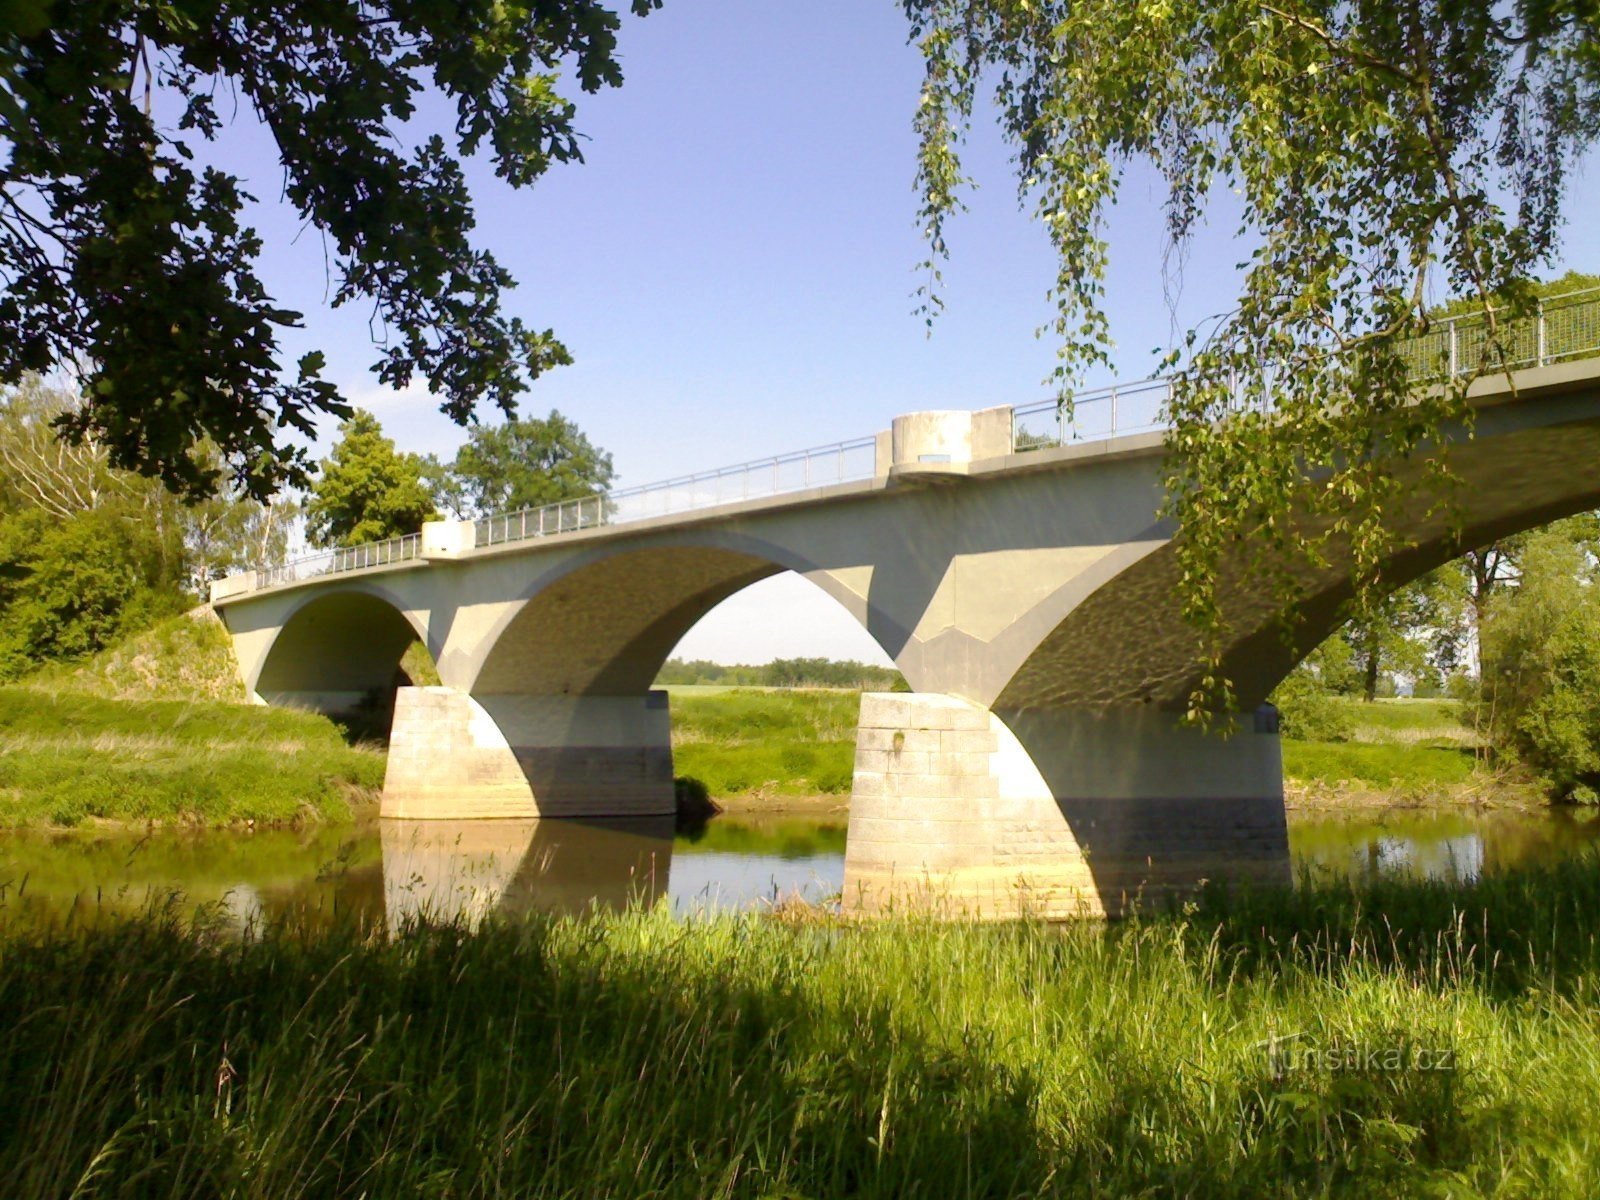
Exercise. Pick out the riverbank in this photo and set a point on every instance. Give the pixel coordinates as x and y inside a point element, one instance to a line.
<point>1403,1039</point>
<point>67,758</point>
<point>793,751</point>
<point>153,732</point>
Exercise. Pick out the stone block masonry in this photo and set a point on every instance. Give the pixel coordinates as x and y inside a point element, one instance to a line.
<point>953,826</point>
<point>1052,813</point>
<point>453,756</point>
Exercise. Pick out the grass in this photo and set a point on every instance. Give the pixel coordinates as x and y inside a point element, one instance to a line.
<point>188,657</point>
<point>67,757</point>
<point>787,743</point>
<point>751,1057</point>
<point>1410,770</point>
<point>802,742</point>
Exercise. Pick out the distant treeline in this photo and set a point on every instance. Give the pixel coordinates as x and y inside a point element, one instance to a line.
<point>784,672</point>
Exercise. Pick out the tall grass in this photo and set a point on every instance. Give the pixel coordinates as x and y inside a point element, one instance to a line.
<point>67,757</point>
<point>632,1056</point>
<point>799,742</point>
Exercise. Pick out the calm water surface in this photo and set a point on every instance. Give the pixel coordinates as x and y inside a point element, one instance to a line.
<point>390,870</point>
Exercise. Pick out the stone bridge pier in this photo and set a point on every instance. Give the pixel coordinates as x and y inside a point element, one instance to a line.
<point>1054,812</point>
<point>454,756</point>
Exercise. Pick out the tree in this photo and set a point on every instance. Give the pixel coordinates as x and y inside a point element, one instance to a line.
<point>200,540</point>
<point>123,258</point>
<point>70,587</point>
<point>367,490</point>
<point>1411,631</point>
<point>523,464</point>
<point>1540,695</point>
<point>1380,153</point>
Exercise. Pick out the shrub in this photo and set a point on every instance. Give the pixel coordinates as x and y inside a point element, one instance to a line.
<point>1307,713</point>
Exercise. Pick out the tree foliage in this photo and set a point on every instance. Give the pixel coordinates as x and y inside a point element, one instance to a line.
<point>123,254</point>
<point>70,587</point>
<point>366,490</point>
<point>523,463</point>
<point>1540,694</point>
<point>1381,154</point>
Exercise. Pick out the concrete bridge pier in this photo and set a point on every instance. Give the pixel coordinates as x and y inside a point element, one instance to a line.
<point>457,756</point>
<point>1054,812</point>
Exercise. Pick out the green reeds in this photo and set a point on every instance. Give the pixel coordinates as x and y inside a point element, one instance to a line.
<point>1407,1039</point>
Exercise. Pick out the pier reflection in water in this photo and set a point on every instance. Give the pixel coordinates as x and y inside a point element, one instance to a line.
<point>466,870</point>
<point>384,872</point>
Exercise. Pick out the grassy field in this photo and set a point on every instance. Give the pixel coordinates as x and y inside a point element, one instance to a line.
<point>67,757</point>
<point>1400,748</point>
<point>779,743</point>
<point>1409,1040</point>
<point>748,742</point>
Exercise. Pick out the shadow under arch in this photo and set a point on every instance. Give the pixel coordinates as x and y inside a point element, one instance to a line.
<point>340,653</point>
<point>1126,642</point>
<point>607,624</point>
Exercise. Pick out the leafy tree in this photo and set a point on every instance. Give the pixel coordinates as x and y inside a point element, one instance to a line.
<point>522,464</point>
<point>200,540</point>
<point>1380,153</point>
<point>123,258</point>
<point>367,490</point>
<point>1540,696</point>
<point>70,587</point>
<point>1412,631</point>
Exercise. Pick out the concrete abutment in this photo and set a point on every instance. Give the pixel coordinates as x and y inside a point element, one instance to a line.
<point>455,756</point>
<point>1054,813</point>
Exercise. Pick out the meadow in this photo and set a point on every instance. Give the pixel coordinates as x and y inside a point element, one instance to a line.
<point>747,743</point>
<point>1405,1039</point>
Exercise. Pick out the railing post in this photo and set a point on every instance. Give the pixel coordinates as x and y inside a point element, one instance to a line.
<point>1113,411</point>
<point>1541,352</point>
<point>1453,349</point>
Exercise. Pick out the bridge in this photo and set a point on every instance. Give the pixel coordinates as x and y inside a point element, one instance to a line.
<point>1010,562</point>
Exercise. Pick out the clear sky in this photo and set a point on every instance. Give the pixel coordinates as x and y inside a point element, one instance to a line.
<point>733,269</point>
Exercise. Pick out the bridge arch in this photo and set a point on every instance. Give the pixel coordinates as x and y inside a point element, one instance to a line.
<point>604,624</point>
<point>337,651</point>
<point>1118,638</point>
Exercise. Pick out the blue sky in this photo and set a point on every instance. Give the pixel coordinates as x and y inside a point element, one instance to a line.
<point>733,268</point>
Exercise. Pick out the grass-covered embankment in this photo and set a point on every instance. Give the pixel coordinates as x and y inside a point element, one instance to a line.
<point>746,743</point>
<point>1395,751</point>
<point>1432,1041</point>
<point>752,746</point>
<point>155,730</point>
<point>66,757</point>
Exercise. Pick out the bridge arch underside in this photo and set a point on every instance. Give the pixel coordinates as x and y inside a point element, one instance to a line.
<point>1127,644</point>
<point>338,654</point>
<point>560,718</point>
<point>1088,791</point>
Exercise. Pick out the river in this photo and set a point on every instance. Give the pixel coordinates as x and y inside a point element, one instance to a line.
<point>389,870</point>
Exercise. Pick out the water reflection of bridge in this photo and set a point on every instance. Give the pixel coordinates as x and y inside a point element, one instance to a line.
<point>468,870</point>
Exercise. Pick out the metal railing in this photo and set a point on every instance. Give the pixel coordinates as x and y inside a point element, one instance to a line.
<point>344,558</point>
<point>1563,327</point>
<point>822,466</point>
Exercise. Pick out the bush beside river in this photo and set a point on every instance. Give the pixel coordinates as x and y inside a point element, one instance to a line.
<point>1402,1039</point>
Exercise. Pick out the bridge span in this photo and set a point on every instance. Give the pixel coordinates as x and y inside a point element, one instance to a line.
<point>1020,580</point>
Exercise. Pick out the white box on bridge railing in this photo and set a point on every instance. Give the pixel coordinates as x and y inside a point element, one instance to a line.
<point>446,539</point>
<point>232,585</point>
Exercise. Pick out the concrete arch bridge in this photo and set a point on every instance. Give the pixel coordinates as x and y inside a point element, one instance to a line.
<point>1027,594</point>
